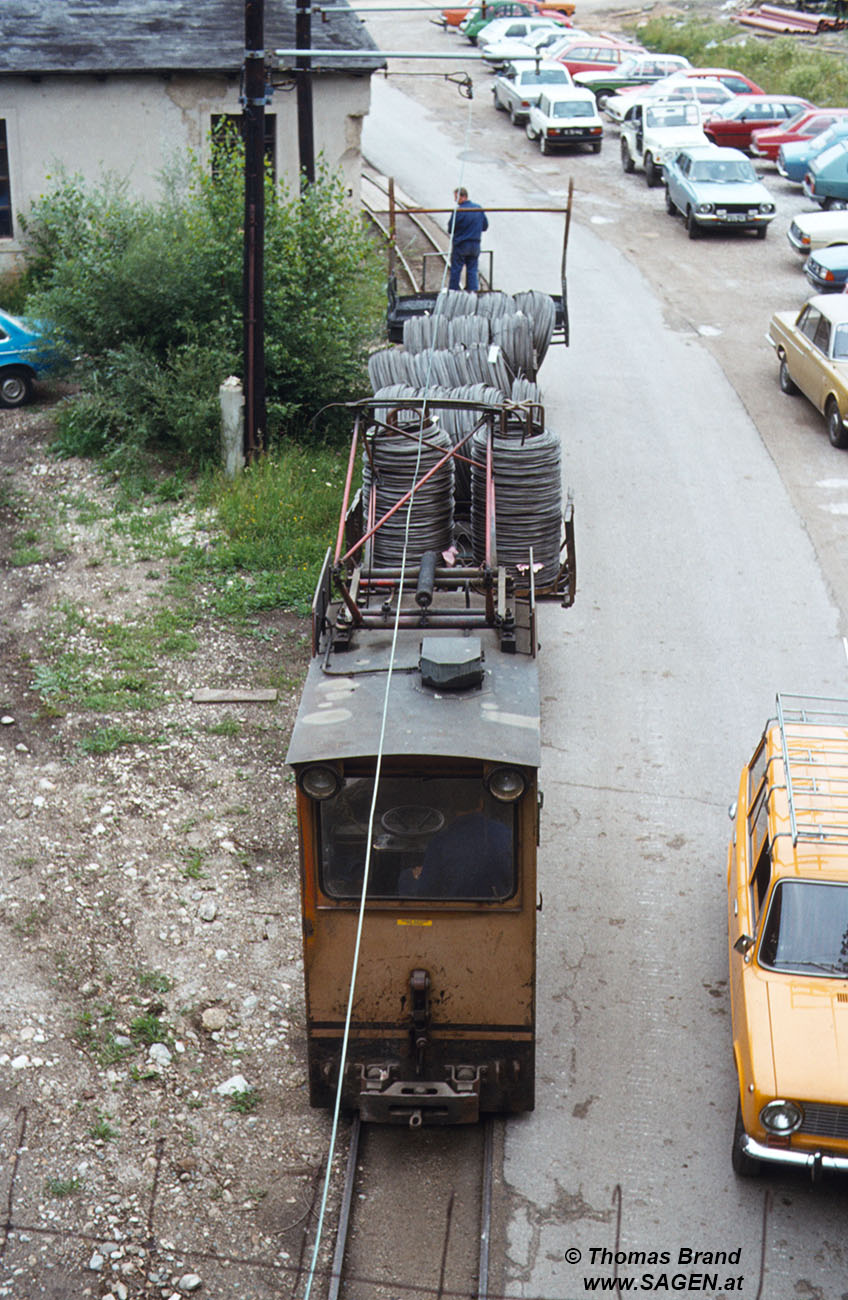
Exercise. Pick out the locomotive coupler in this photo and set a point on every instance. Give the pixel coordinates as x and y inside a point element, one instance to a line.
<point>419,987</point>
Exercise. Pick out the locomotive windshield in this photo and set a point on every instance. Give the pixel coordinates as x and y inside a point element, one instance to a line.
<point>433,838</point>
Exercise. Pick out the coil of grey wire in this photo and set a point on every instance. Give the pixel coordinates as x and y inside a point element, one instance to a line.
<point>528,501</point>
<point>524,390</point>
<point>542,312</point>
<point>396,468</point>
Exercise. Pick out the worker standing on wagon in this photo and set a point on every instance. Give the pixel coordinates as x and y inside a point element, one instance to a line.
<point>467,223</point>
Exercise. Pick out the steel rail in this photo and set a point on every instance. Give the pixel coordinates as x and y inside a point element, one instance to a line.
<point>391,238</point>
<point>396,209</point>
<point>486,1207</point>
<point>344,1213</point>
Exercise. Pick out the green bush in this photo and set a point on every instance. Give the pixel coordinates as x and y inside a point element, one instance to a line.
<point>783,65</point>
<point>150,294</point>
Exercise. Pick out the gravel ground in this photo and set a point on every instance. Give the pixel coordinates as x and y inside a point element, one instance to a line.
<point>155,1132</point>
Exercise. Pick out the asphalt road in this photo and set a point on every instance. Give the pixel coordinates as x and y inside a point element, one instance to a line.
<point>711,534</point>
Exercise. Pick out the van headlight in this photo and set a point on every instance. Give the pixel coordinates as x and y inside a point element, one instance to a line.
<point>781,1117</point>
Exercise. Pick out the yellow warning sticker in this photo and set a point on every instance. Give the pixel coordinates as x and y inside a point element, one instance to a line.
<point>412,921</point>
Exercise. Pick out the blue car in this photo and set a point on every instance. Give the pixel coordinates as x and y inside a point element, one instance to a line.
<point>794,159</point>
<point>25,356</point>
<point>827,269</point>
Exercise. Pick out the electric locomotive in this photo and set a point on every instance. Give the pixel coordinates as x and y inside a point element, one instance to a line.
<point>416,752</point>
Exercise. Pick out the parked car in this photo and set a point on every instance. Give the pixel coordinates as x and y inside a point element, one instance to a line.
<point>736,82</point>
<point>454,17</point>
<point>708,94</point>
<point>564,119</point>
<point>532,46</point>
<point>593,55</point>
<point>26,354</point>
<point>812,348</point>
<point>493,38</point>
<point>793,160</point>
<point>810,122</point>
<point>519,86</point>
<point>826,178</point>
<point>787,917</point>
<point>827,270</point>
<point>474,21</point>
<point>637,70</point>
<point>733,123</point>
<point>811,230</point>
<point>651,133</point>
<point>713,188</point>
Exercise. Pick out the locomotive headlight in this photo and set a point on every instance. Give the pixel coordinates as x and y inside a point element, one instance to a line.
<point>319,781</point>
<point>781,1117</point>
<point>506,784</point>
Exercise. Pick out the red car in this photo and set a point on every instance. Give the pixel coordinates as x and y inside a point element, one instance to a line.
<point>736,82</point>
<point>733,123</point>
<point>809,122</point>
<point>591,53</point>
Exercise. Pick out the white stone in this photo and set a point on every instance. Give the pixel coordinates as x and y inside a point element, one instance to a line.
<point>159,1055</point>
<point>237,1083</point>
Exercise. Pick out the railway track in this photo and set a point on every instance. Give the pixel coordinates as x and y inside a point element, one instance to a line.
<point>416,1214</point>
<point>418,247</point>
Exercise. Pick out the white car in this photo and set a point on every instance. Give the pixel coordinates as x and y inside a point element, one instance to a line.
<point>538,42</point>
<point>812,230</point>
<point>652,132</point>
<point>565,118</point>
<point>492,39</point>
<point>518,87</point>
<point>702,91</point>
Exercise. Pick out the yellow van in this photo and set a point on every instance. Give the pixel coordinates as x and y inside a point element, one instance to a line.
<point>787,877</point>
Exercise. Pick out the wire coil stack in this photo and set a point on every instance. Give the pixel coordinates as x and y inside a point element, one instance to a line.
<point>397,466</point>
<point>481,349</point>
<point>528,497</point>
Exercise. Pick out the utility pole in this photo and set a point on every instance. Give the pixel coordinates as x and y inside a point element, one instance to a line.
<point>253,112</point>
<point>303,81</point>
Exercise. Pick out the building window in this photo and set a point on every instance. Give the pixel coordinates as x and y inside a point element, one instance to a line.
<point>6,225</point>
<point>223,122</point>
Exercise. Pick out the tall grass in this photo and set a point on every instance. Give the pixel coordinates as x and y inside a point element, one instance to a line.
<point>786,64</point>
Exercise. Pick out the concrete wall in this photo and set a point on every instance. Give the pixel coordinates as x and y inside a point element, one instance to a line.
<point>137,125</point>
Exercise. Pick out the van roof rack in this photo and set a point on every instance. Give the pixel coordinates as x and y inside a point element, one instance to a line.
<point>814,738</point>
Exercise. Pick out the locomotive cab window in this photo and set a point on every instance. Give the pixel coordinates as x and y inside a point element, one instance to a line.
<point>434,839</point>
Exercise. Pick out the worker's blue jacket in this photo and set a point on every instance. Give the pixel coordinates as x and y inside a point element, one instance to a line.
<point>470,223</point>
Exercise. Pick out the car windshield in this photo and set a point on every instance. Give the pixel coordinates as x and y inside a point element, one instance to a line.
<point>723,172</point>
<point>671,115</point>
<point>806,928</point>
<point>546,77</point>
<point>572,108</point>
<point>729,109</point>
<point>433,838</point>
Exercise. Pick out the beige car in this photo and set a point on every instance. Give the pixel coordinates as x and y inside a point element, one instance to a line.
<point>812,348</point>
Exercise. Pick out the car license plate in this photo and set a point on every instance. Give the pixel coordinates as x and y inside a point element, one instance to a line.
<point>736,216</point>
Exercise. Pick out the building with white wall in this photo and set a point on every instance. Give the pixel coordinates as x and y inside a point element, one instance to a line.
<point>125,88</point>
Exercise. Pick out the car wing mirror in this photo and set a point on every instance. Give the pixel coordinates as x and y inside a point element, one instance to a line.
<point>731,811</point>
<point>744,944</point>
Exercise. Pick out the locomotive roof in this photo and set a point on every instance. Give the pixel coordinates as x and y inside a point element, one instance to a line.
<point>341,709</point>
